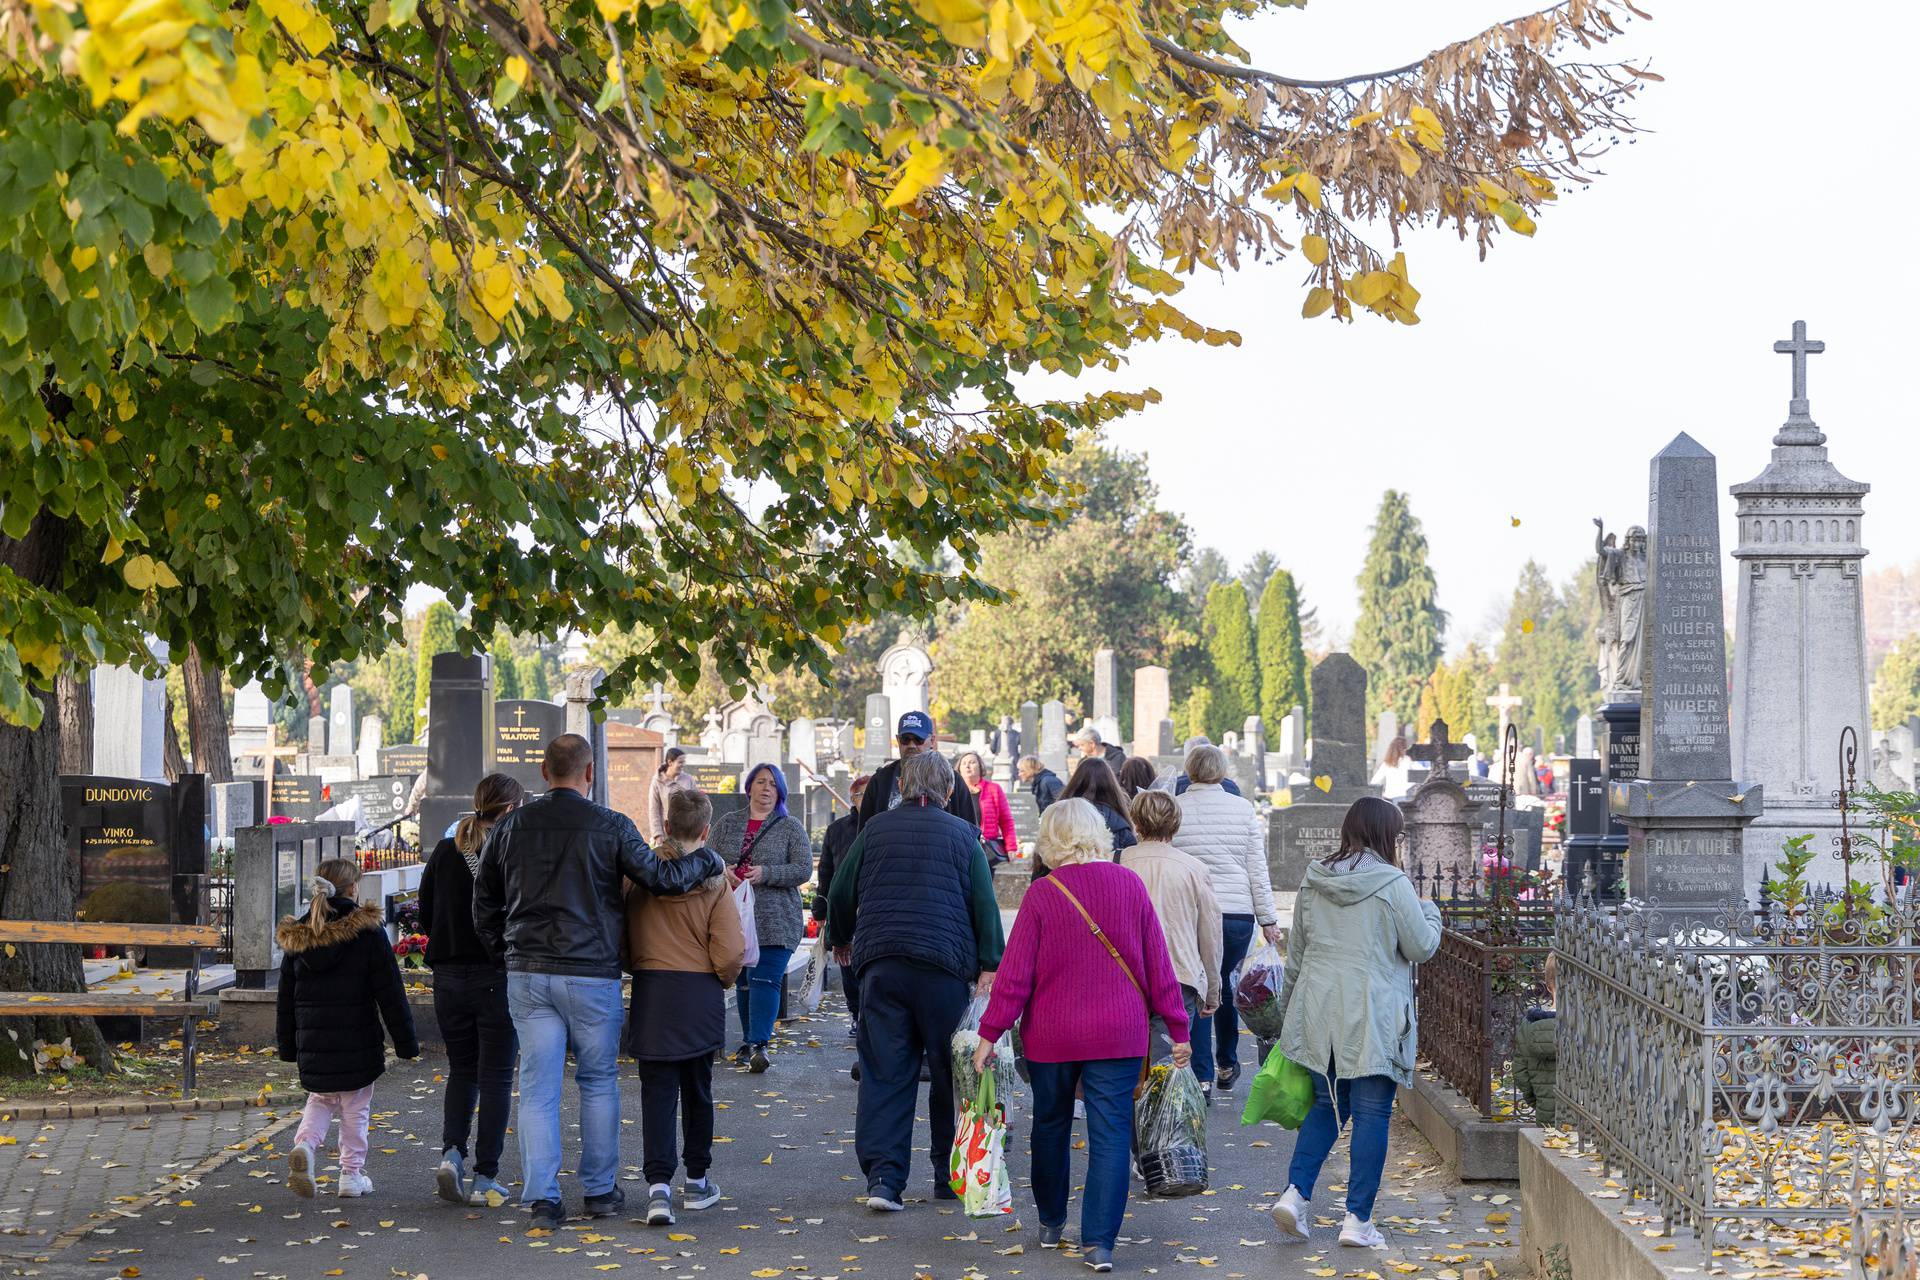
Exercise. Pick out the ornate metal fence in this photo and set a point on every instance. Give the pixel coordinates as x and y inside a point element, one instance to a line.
<point>1747,1070</point>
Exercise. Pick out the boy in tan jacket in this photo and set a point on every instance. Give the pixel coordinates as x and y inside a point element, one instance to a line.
<point>685,951</point>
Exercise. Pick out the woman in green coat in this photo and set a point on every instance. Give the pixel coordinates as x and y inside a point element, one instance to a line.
<point>1346,1002</point>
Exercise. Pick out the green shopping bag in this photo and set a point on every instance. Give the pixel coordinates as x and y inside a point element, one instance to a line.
<point>1282,1092</point>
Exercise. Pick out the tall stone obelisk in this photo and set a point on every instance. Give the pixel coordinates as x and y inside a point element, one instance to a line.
<point>1800,642</point>
<point>1685,814</point>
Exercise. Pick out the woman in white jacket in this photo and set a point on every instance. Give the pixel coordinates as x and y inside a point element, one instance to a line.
<point>1222,830</point>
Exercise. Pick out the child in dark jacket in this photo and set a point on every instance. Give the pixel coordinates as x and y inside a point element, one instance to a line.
<point>338,984</point>
<point>1536,1056</point>
<point>685,950</point>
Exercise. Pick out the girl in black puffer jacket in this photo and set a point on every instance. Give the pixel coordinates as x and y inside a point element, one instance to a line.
<point>338,983</point>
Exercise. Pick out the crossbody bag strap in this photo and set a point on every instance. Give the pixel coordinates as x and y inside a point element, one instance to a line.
<point>1139,1085</point>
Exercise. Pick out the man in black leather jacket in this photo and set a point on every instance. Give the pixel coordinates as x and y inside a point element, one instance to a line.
<point>549,899</point>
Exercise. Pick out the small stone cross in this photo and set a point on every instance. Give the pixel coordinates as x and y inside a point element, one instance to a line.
<point>1799,347</point>
<point>1437,752</point>
<point>1506,702</point>
<point>657,700</point>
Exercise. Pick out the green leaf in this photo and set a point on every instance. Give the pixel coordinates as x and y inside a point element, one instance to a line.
<point>211,303</point>
<point>400,12</point>
<point>13,321</point>
<point>504,91</point>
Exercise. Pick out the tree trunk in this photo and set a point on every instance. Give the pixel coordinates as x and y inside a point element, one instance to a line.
<point>37,881</point>
<point>207,720</point>
<point>172,759</point>
<point>76,724</point>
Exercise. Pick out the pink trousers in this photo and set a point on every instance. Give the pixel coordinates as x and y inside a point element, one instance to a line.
<point>353,1109</point>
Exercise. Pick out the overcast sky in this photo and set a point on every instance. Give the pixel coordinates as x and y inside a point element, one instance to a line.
<point>1765,188</point>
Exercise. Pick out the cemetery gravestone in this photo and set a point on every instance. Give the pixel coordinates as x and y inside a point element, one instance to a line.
<point>1506,702</point>
<point>129,724</point>
<point>802,744</point>
<point>1685,815</point>
<point>138,848</point>
<point>367,753</point>
<point>880,722</point>
<point>1800,643</point>
<point>247,733</point>
<point>633,760</point>
<point>407,758</point>
<point>1293,741</point>
<point>300,797</point>
<point>1029,727</point>
<point>1440,814</point>
<point>340,724</point>
<point>316,735</point>
<point>1152,704</point>
<point>382,799</point>
<point>233,805</point>
<point>522,728</point>
<point>763,744</point>
<point>844,747</point>
<point>1583,738</point>
<point>1106,685</point>
<point>1309,828</point>
<point>460,738</point>
<point>1587,822</point>
<point>905,672</point>
<point>1053,736</point>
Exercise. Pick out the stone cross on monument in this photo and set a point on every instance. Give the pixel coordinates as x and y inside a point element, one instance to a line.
<point>1799,347</point>
<point>1438,753</point>
<point>1506,702</point>
<point>656,700</point>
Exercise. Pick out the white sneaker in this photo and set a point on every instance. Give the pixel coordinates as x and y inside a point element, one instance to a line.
<point>1290,1215</point>
<point>1359,1233</point>
<point>1079,1109</point>
<point>300,1170</point>
<point>354,1185</point>
<point>881,1202</point>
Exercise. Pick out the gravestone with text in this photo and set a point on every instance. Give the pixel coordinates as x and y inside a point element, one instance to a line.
<point>405,758</point>
<point>382,799</point>
<point>138,848</point>
<point>299,797</point>
<point>879,744</point>
<point>906,671</point>
<point>1685,814</point>
<point>340,724</point>
<point>634,754</point>
<point>522,728</point>
<point>1440,831</point>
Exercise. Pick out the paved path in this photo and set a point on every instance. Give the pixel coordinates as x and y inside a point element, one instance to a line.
<point>786,1164</point>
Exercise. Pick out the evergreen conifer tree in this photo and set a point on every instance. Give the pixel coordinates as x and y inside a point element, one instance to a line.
<point>1283,659</point>
<point>437,635</point>
<point>397,711</point>
<point>1544,654</point>
<point>1896,686</point>
<point>506,670</point>
<point>1397,637</point>
<point>1200,711</point>
<point>1235,675</point>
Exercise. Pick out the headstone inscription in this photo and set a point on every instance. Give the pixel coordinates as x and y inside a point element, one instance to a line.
<point>1685,815</point>
<point>1309,827</point>
<point>300,797</point>
<point>1152,703</point>
<point>138,848</point>
<point>406,758</point>
<point>460,738</point>
<point>382,798</point>
<point>522,728</point>
<point>233,805</point>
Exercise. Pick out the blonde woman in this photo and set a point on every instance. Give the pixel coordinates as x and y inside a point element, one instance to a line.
<point>1085,968</point>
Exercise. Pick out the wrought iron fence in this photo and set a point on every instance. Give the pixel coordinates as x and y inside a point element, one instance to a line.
<point>219,912</point>
<point>1476,991</point>
<point>1744,1069</point>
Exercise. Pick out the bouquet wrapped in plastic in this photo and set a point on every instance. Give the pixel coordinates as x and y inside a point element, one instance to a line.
<point>966,1081</point>
<point>1170,1132</point>
<point>977,1166</point>
<point>1256,991</point>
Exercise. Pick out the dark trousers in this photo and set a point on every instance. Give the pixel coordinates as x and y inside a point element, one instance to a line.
<point>851,985</point>
<point>1220,1050</point>
<point>471,1005</point>
<point>1107,1089</point>
<point>686,1087</point>
<point>907,1011</point>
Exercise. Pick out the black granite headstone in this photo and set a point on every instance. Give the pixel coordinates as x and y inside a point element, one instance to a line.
<point>460,739</point>
<point>299,797</point>
<point>522,728</point>
<point>383,798</point>
<point>139,850</point>
<point>408,758</point>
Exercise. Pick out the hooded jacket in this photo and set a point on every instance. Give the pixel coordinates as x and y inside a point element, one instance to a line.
<point>1536,1062</point>
<point>684,950</point>
<point>338,984</point>
<point>1347,996</point>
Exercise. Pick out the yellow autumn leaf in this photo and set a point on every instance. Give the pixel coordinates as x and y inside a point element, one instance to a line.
<point>764,1272</point>
<point>1314,249</point>
<point>922,169</point>
<point>681,1237</point>
<point>1324,782</point>
<point>139,573</point>
<point>1308,186</point>
<point>83,258</point>
<point>1526,626</point>
<point>1318,300</point>
<point>517,70</point>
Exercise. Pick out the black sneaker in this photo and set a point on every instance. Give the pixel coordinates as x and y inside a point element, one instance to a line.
<point>608,1205</point>
<point>660,1208</point>
<point>758,1062</point>
<point>739,1058</point>
<point>548,1215</point>
<point>1225,1080</point>
<point>1050,1236</point>
<point>944,1191</point>
<point>855,1073</point>
<point>1098,1259</point>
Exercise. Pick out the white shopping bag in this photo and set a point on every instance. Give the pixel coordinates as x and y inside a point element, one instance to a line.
<point>743,899</point>
<point>814,986</point>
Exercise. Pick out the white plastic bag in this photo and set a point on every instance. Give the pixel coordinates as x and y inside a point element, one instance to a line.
<point>814,986</point>
<point>966,1038</point>
<point>743,899</point>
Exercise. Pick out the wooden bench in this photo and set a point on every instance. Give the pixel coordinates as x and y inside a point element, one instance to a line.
<point>189,1008</point>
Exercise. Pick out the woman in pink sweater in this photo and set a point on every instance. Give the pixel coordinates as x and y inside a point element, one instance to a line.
<point>1083,1011</point>
<point>990,802</point>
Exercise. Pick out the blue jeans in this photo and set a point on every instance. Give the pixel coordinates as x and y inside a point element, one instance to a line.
<point>1236,936</point>
<point>1108,1088</point>
<point>550,1012</point>
<point>757,994</point>
<point>1368,1102</point>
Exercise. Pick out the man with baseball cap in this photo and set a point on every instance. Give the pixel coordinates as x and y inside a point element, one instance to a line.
<point>913,735</point>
